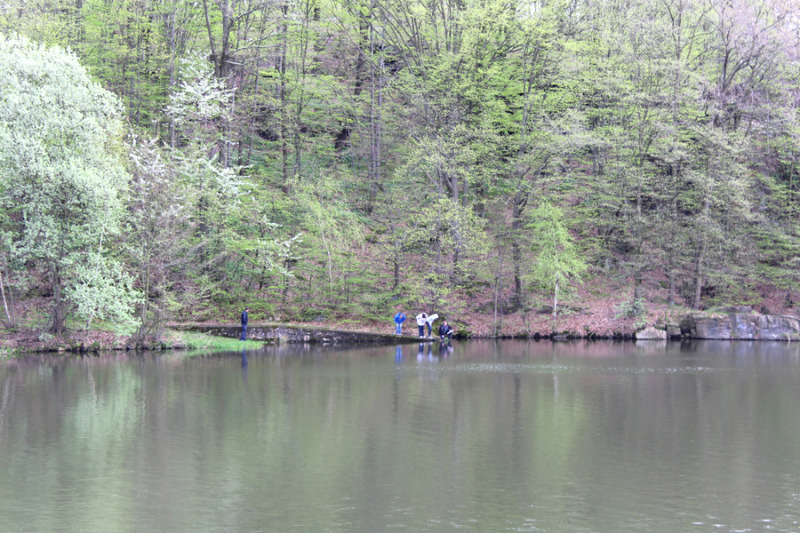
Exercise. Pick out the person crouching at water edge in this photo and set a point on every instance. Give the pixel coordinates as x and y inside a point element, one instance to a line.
<point>422,319</point>
<point>243,336</point>
<point>445,331</point>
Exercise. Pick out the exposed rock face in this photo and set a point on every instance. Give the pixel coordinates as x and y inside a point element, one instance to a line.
<point>673,331</point>
<point>741,326</point>
<point>651,334</point>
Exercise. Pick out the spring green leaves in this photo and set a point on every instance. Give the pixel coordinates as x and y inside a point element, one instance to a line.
<point>61,177</point>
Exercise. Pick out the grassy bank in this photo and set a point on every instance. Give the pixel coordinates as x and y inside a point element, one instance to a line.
<point>200,341</point>
<point>18,341</point>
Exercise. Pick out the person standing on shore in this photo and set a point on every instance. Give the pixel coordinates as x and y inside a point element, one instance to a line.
<point>243,336</point>
<point>399,318</point>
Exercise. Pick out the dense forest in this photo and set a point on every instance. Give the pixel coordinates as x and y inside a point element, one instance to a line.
<point>335,160</point>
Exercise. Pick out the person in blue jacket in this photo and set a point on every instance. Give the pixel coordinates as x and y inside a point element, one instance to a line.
<point>243,336</point>
<point>399,318</point>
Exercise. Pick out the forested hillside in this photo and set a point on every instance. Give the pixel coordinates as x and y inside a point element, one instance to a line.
<point>332,160</point>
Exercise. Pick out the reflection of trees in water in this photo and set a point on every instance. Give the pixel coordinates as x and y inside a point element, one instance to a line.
<point>537,428</point>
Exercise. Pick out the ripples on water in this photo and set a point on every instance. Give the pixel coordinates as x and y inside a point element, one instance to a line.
<point>565,369</point>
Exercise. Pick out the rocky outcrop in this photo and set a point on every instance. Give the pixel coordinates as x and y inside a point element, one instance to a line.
<point>741,326</point>
<point>651,334</point>
<point>673,331</point>
<point>294,334</point>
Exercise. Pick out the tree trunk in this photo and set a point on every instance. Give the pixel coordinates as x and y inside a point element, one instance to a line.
<point>637,286</point>
<point>284,99</point>
<point>698,279</point>
<point>59,311</point>
<point>698,266</point>
<point>171,70</point>
<point>520,201</point>
<point>5,305</point>
<point>555,309</point>
<point>498,278</point>
<point>374,119</point>
<point>146,300</point>
<point>220,57</point>
<point>671,259</point>
<point>671,284</point>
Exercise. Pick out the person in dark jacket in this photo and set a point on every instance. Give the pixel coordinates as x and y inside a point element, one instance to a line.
<point>445,331</point>
<point>243,336</point>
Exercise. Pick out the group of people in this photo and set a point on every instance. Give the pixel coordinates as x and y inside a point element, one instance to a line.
<point>424,320</point>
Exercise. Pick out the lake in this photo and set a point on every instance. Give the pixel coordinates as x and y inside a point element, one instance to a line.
<point>481,437</point>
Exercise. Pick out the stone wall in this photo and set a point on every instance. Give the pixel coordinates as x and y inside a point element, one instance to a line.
<point>741,326</point>
<point>293,334</point>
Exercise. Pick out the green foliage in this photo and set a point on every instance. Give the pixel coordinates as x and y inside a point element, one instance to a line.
<point>62,178</point>
<point>157,230</point>
<point>558,262</point>
<point>201,98</point>
<point>636,309</point>
<point>335,236</point>
<point>632,309</point>
<point>333,156</point>
<point>101,290</point>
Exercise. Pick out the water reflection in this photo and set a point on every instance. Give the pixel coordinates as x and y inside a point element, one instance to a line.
<point>479,436</point>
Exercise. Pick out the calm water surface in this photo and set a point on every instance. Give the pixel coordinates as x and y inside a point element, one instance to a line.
<point>487,437</point>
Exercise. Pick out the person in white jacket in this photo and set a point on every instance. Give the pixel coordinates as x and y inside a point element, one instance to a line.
<point>429,321</point>
<point>422,318</point>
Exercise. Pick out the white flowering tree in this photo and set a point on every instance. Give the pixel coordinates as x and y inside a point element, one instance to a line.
<point>61,178</point>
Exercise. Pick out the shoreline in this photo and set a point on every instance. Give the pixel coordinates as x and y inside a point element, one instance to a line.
<point>224,337</point>
<point>191,336</point>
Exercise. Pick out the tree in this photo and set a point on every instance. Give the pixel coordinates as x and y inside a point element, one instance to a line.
<point>158,228</point>
<point>200,109</point>
<point>558,261</point>
<point>413,133</point>
<point>62,177</point>
<point>8,310</point>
